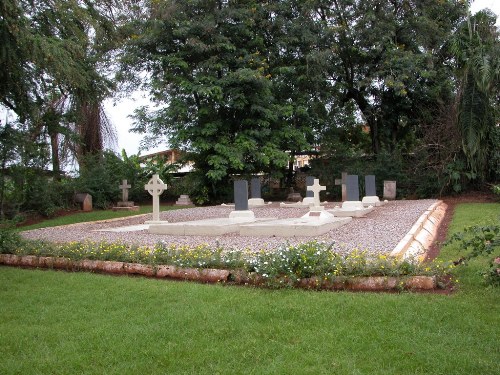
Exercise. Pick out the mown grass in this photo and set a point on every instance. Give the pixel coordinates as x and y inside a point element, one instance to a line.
<point>60,323</point>
<point>95,215</point>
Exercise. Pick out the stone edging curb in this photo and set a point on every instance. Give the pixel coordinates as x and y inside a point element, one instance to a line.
<point>418,240</point>
<point>372,283</point>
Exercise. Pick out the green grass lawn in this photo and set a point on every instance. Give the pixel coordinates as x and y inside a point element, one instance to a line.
<point>65,323</point>
<point>95,215</point>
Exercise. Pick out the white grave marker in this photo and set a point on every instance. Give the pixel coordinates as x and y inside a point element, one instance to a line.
<point>155,187</point>
<point>316,188</point>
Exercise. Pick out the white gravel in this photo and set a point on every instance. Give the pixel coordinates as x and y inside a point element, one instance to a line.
<point>379,232</point>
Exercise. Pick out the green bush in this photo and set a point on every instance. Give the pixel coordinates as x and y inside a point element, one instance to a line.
<point>481,241</point>
<point>100,176</point>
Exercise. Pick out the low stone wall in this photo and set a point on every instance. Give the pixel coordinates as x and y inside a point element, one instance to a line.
<point>373,283</point>
<point>419,239</point>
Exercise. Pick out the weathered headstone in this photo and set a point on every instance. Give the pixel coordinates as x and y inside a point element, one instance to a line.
<point>389,189</point>
<point>85,201</point>
<point>352,188</point>
<point>342,182</point>
<point>315,189</point>
<point>370,188</point>
<point>293,196</point>
<point>241,195</point>
<point>155,187</point>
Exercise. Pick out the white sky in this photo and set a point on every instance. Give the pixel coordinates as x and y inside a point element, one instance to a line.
<point>119,111</point>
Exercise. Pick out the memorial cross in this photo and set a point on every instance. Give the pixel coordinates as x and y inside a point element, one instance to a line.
<point>155,187</point>
<point>316,188</point>
<point>342,182</point>
<point>124,188</point>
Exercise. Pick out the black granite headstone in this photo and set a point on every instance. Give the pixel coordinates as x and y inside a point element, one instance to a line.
<point>370,189</point>
<point>352,185</point>
<point>255,188</point>
<point>241,195</point>
<point>309,182</point>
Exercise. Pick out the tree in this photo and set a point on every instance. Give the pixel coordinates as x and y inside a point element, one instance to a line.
<point>209,67</point>
<point>476,47</point>
<point>388,58</point>
<point>51,54</point>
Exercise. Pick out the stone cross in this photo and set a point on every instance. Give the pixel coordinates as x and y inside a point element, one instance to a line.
<point>155,187</point>
<point>124,188</point>
<point>316,188</point>
<point>342,181</point>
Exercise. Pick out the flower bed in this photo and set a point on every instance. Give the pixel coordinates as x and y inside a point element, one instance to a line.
<point>311,265</point>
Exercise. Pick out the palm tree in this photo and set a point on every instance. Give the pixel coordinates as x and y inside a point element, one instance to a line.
<point>476,48</point>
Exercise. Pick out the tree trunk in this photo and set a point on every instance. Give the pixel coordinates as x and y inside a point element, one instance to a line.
<point>54,146</point>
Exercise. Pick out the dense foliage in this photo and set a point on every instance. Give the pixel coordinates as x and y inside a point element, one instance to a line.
<point>243,86</point>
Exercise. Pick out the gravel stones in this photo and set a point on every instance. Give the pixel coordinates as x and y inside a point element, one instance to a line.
<point>377,233</point>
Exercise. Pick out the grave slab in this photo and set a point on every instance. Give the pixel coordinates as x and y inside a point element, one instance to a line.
<point>207,227</point>
<point>309,225</point>
<point>351,209</point>
<point>130,228</point>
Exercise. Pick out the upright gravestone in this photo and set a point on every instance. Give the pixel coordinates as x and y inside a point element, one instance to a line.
<point>370,189</point>
<point>240,195</point>
<point>315,189</point>
<point>85,201</point>
<point>342,182</point>
<point>352,188</point>
<point>255,188</point>
<point>255,193</point>
<point>155,187</point>
<point>241,200</point>
<point>371,198</point>
<point>309,199</point>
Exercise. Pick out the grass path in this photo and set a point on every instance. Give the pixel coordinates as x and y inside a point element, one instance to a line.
<point>95,215</point>
<point>65,323</point>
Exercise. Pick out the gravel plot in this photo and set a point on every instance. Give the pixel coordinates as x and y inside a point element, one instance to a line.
<point>378,233</point>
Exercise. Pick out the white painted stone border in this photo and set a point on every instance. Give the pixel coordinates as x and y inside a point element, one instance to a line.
<point>418,240</point>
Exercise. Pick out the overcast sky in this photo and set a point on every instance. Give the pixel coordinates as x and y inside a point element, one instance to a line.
<point>119,111</point>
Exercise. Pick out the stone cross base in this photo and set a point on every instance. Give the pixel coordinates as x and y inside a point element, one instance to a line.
<point>184,201</point>
<point>125,204</point>
<point>126,208</point>
<point>294,197</point>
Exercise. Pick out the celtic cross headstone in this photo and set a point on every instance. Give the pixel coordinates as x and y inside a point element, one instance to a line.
<point>155,187</point>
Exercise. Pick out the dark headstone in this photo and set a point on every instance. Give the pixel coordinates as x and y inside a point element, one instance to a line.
<point>241,195</point>
<point>309,182</point>
<point>255,188</point>
<point>370,189</point>
<point>352,185</point>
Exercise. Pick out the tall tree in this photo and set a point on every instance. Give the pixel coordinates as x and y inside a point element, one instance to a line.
<point>476,47</point>
<point>388,58</point>
<point>51,54</point>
